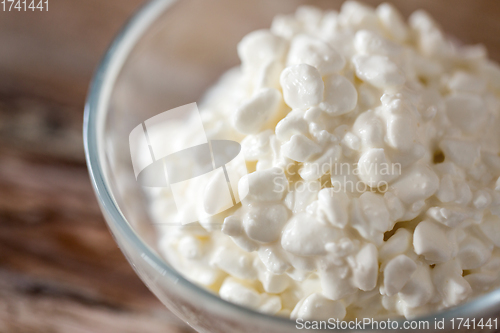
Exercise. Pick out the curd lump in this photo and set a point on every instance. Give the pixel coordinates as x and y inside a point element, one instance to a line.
<point>372,150</point>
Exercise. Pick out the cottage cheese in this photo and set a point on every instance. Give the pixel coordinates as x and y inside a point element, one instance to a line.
<point>372,151</point>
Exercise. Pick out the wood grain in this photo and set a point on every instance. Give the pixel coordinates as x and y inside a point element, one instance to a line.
<point>60,270</point>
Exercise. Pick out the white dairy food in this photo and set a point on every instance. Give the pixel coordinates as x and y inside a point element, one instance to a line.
<point>373,164</point>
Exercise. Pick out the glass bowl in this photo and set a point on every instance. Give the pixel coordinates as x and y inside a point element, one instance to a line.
<point>168,54</point>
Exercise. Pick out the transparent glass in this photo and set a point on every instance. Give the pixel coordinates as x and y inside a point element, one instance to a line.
<point>166,56</point>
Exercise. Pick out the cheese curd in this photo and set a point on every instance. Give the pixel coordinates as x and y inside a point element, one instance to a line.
<point>372,151</point>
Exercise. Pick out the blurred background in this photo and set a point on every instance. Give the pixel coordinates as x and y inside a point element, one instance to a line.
<point>60,269</point>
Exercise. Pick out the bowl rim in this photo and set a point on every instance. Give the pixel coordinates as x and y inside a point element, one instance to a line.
<point>96,103</point>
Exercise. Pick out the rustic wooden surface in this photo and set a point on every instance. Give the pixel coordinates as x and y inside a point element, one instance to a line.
<point>60,270</point>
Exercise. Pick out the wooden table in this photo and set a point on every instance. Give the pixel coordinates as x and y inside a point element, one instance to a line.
<point>60,270</point>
